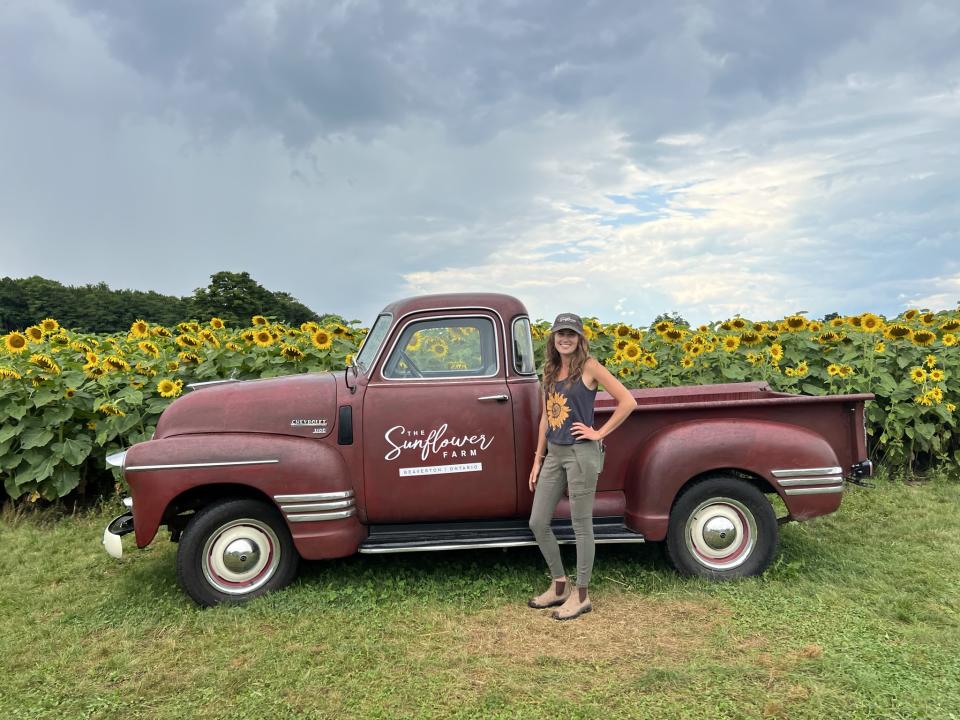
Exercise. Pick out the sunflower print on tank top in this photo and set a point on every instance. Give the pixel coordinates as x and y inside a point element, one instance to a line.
<point>557,410</point>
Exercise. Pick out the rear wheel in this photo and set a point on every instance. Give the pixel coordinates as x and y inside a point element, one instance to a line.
<point>722,528</point>
<point>233,551</point>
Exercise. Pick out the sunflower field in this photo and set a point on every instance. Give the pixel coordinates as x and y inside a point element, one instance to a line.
<point>70,399</point>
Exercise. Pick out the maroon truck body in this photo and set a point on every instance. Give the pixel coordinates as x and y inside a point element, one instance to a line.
<point>389,457</point>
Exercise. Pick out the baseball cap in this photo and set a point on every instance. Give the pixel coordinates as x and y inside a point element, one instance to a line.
<point>568,321</point>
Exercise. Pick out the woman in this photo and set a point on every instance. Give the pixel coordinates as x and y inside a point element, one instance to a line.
<point>569,455</point>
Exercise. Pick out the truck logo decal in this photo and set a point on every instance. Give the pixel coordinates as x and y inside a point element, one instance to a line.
<point>434,443</point>
<point>303,422</point>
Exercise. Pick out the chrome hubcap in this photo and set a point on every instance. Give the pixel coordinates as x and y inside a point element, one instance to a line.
<point>721,533</point>
<point>241,556</point>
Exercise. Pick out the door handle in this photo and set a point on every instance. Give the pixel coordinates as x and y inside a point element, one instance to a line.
<point>498,398</point>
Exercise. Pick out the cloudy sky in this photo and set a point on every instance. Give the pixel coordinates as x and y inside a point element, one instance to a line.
<point>617,159</point>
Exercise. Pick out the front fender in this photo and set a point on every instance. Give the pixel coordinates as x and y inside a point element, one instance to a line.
<point>680,452</point>
<point>159,471</point>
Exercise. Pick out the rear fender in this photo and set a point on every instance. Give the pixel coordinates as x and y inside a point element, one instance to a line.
<point>678,453</point>
<point>160,472</point>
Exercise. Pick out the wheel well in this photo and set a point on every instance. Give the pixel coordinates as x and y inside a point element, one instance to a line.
<point>757,481</point>
<point>184,505</point>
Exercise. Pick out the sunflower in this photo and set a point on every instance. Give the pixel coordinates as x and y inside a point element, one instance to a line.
<point>731,343</point>
<point>148,348</point>
<point>257,320</point>
<point>750,338</point>
<point>588,332</point>
<point>69,392</point>
<point>189,358</point>
<point>263,338</point>
<point>160,331</point>
<point>456,365</point>
<point>949,340</point>
<point>950,325</point>
<point>631,352</point>
<point>896,331</point>
<point>950,407</point>
<point>188,341</point>
<point>837,322</point>
<point>49,325</point>
<point>686,362</point>
<point>439,347</point>
<point>140,328</point>
<point>936,375</point>
<point>911,314</point>
<point>930,361</point>
<point>92,358</point>
<point>322,339</point>
<point>309,327</point>
<point>673,335</point>
<point>348,360</point>
<point>621,330</point>
<point>9,374</point>
<point>93,371</point>
<point>115,362</point>
<point>415,343</point>
<point>815,327</point>
<point>802,369</point>
<point>795,323</point>
<point>109,408</point>
<point>833,369</point>
<point>620,344</point>
<point>649,360</point>
<point>662,326</point>
<point>623,372</point>
<point>247,336</point>
<point>936,394</point>
<point>557,410</point>
<point>927,318</point>
<point>923,400</point>
<point>738,323</point>
<point>754,359</point>
<point>217,324</point>
<point>918,374</point>
<point>924,337</point>
<point>169,388</point>
<point>827,338</point>
<point>789,372</point>
<point>233,346</point>
<point>291,352</point>
<point>726,326</point>
<point>34,333</point>
<point>696,350</point>
<point>880,347</point>
<point>172,365</point>
<point>776,352</point>
<point>15,342</point>
<point>45,363</point>
<point>209,338</point>
<point>870,323</point>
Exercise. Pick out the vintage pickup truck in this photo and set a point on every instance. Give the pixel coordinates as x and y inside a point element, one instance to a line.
<point>409,451</point>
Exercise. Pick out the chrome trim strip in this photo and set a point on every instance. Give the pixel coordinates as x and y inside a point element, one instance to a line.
<point>202,465</point>
<point>482,546</point>
<point>208,383</point>
<point>815,490</point>
<point>803,472</point>
<point>312,507</point>
<point>829,480</point>
<point>313,497</point>
<point>316,517</point>
<point>498,398</point>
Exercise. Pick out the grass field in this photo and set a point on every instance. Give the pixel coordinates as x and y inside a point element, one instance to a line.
<point>858,618</point>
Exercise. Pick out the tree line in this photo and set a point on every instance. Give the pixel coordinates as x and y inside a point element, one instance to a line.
<point>96,308</point>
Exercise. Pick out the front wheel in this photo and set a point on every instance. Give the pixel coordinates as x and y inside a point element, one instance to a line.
<point>233,551</point>
<point>722,528</point>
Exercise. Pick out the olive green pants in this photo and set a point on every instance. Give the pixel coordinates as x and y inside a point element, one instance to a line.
<point>575,468</point>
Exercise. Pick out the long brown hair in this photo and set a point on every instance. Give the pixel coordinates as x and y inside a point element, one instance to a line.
<point>552,365</point>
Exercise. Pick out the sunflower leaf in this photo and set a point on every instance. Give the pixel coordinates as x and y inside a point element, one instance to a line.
<point>45,396</point>
<point>9,431</point>
<point>35,437</point>
<point>76,450</point>
<point>57,414</point>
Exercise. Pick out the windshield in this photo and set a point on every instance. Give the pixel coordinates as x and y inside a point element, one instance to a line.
<point>372,342</point>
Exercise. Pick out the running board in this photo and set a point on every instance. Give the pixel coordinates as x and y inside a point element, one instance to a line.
<point>424,537</point>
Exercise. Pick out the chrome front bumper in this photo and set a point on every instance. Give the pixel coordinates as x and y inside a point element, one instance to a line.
<point>116,529</point>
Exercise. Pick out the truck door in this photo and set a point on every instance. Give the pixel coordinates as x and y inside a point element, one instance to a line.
<point>438,423</point>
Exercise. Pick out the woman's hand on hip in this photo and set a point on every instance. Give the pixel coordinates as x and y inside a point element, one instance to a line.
<point>584,432</point>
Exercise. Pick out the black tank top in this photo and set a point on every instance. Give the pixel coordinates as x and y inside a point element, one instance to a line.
<point>567,403</point>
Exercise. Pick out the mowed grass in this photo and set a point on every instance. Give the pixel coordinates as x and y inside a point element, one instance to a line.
<point>858,618</point>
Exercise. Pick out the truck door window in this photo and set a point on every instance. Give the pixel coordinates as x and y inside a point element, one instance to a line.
<point>444,348</point>
<point>523,358</point>
<point>372,342</point>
